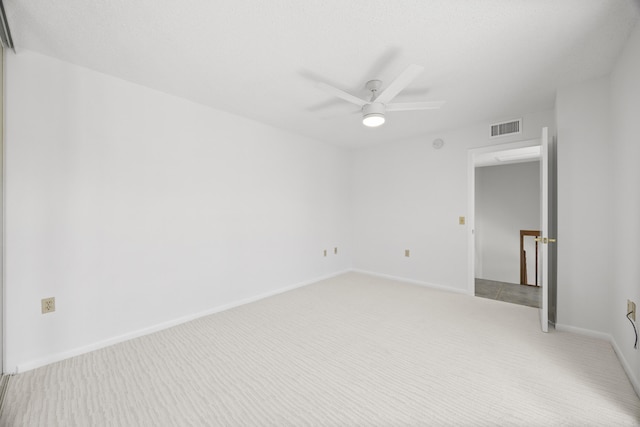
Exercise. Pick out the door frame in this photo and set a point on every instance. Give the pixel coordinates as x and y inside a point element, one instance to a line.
<point>2,213</point>
<point>472,154</point>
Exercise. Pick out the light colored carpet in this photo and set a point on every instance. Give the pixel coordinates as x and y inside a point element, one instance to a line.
<point>353,350</point>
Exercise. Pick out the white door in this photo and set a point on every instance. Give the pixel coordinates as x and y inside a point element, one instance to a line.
<point>545,240</point>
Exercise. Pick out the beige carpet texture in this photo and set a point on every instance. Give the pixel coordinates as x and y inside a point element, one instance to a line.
<point>354,350</point>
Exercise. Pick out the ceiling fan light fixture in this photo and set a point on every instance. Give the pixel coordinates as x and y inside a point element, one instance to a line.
<point>373,114</point>
<point>373,120</point>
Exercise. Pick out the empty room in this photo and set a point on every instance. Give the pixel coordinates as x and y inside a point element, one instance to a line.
<point>320,213</point>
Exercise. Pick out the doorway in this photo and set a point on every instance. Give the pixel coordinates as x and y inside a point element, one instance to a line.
<point>548,214</point>
<point>507,208</point>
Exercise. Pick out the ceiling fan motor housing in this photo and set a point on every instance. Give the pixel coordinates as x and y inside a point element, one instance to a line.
<point>373,108</point>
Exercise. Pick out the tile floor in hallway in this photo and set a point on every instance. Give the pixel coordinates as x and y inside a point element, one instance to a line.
<point>508,292</point>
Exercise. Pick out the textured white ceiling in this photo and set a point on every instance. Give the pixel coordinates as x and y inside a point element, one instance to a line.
<point>488,59</point>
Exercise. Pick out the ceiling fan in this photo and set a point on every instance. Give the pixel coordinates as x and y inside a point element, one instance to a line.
<point>374,110</point>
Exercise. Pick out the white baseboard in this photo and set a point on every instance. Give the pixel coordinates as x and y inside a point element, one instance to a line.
<point>412,281</point>
<point>585,332</point>
<point>27,366</point>
<point>623,361</point>
<point>616,348</point>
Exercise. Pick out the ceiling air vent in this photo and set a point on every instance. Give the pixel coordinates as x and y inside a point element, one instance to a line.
<point>506,128</point>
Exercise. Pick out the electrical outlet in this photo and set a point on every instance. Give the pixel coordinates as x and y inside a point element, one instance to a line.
<point>407,253</point>
<point>461,220</point>
<point>631,308</point>
<point>325,252</point>
<point>335,251</point>
<point>48,305</point>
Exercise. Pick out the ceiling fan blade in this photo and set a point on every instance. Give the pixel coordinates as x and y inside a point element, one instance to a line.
<point>341,94</point>
<point>408,106</point>
<point>335,116</point>
<point>399,83</point>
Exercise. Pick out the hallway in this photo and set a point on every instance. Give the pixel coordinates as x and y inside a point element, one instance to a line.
<point>509,292</point>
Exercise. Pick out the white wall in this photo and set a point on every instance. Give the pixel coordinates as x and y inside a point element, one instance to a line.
<point>407,195</point>
<point>624,219</point>
<point>599,204</point>
<point>507,201</point>
<point>584,206</point>
<point>134,208</point>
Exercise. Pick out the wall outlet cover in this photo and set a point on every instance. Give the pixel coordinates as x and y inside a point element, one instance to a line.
<point>48,305</point>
